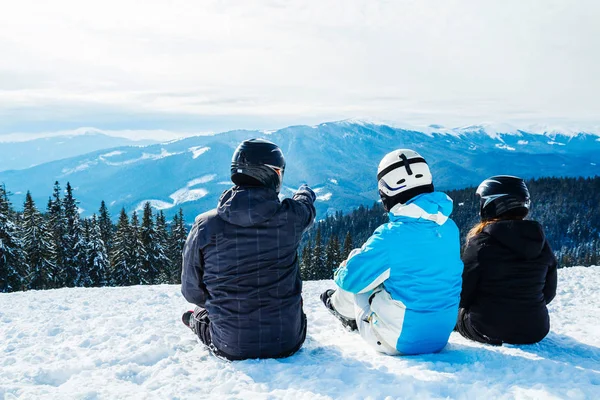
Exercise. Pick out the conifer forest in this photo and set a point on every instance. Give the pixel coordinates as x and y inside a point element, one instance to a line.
<point>58,248</point>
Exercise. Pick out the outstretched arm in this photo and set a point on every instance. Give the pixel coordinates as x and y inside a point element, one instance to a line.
<point>303,205</point>
<point>192,285</point>
<point>366,268</point>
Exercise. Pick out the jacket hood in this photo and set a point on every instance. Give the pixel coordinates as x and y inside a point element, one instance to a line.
<point>248,206</point>
<point>527,238</point>
<point>435,207</point>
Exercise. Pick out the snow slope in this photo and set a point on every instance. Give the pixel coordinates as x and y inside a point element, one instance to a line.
<point>128,343</point>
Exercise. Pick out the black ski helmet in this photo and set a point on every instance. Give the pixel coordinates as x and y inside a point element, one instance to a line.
<point>258,162</point>
<point>501,194</point>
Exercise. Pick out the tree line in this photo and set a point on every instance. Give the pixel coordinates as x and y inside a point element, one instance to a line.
<point>58,248</point>
<point>567,208</point>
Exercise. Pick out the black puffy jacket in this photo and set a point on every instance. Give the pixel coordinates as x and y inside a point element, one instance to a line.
<point>509,278</point>
<point>240,263</point>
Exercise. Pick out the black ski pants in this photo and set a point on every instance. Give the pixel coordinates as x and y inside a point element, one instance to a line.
<point>467,330</point>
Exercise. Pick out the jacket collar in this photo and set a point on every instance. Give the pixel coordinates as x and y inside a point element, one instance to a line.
<point>248,206</point>
<point>435,207</point>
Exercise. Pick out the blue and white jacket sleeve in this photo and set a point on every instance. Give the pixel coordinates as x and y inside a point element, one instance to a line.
<point>367,268</point>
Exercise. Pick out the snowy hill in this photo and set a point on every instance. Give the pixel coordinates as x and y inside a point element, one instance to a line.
<point>129,343</point>
<point>19,153</point>
<point>338,159</point>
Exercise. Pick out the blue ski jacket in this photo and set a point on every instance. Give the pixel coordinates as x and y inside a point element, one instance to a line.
<point>413,268</point>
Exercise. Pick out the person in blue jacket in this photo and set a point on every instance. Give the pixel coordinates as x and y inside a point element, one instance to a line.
<point>401,289</point>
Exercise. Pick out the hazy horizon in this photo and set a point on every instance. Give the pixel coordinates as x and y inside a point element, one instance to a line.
<point>185,67</point>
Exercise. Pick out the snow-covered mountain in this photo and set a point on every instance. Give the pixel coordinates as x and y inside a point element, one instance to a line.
<point>338,159</point>
<point>129,343</point>
<point>19,153</point>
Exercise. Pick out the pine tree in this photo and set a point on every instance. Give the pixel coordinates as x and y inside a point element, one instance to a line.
<point>348,246</point>
<point>74,245</point>
<point>332,256</point>
<point>106,227</point>
<point>96,255</point>
<point>56,225</point>
<point>306,270</point>
<point>121,268</point>
<point>148,238</point>
<point>162,240</point>
<point>137,255</point>
<point>318,258</point>
<point>13,267</point>
<point>82,276</point>
<point>37,244</point>
<point>177,241</point>
<point>154,260</point>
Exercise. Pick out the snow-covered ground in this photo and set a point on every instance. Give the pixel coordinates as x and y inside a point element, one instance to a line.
<point>129,343</point>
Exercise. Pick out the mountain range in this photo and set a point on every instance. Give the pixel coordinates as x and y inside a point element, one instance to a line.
<point>338,159</point>
<point>20,153</point>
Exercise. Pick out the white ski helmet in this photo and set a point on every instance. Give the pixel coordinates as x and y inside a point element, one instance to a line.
<point>402,175</point>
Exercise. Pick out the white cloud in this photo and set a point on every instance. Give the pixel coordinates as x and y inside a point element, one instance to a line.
<point>453,63</point>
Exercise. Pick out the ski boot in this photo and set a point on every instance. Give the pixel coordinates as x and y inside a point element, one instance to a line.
<point>348,323</point>
<point>186,318</point>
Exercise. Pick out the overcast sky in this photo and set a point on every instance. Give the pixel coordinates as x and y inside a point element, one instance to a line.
<point>197,66</point>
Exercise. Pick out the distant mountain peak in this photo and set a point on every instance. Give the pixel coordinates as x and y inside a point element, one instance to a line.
<point>491,129</point>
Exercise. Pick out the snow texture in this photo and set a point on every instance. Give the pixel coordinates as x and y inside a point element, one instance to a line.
<point>129,343</point>
<point>505,147</point>
<point>103,158</point>
<point>182,195</point>
<point>111,154</point>
<point>145,156</point>
<point>156,204</point>
<point>203,179</point>
<point>186,194</point>
<point>79,168</point>
<point>197,151</point>
<point>325,197</point>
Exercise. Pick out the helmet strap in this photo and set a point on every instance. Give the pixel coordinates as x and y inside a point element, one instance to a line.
<point>404,197</point>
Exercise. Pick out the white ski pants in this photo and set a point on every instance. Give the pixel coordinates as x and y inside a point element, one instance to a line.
<point>356,306</point>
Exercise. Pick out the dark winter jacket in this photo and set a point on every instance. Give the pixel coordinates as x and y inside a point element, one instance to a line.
<point>509,278</point>
<point>240,263</point>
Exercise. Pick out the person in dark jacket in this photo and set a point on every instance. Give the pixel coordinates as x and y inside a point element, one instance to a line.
<point>240,262</point>
<point>510,271</point>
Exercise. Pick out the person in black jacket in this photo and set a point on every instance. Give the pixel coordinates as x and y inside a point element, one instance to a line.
<point>240,262</point>
<point>510,271</point>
